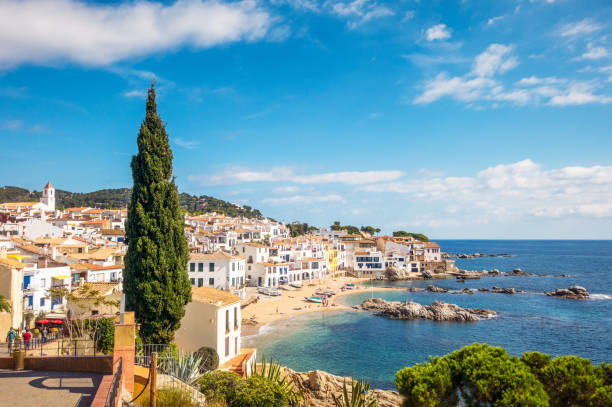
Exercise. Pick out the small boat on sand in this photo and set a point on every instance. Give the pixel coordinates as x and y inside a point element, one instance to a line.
<point>296,284</point>
<point>272,292</point>
<point>318,300</point>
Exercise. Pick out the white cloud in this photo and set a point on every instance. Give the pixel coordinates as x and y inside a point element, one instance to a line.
<point>42,31</point>
<point>303,199</point>
<point>360,11</point>
<point>408,15</point>
<point>594,52</point>
<point>509,191</point>
<point>495,59</point>
<point>136,93</point>
<point>583,27</point>
<point>438,32</point>
<point>188,144</point>
<point>482,85</point>
<point>579,94</point>
<point>233,176</point>
<point>494,20</point>
<point>286,190</point>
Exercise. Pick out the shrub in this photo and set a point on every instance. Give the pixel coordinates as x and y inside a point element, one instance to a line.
<point>219,385</point>
<point>105,335</point>
<point>482,375</point>
<point>169,397</point>
<point>257,391</point>
<point>210,359</point>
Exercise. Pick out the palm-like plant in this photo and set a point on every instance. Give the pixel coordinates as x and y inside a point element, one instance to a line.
<point>359,397</point>
<point>5,306</point>
<point>186,367</point>
<point>273,372</point>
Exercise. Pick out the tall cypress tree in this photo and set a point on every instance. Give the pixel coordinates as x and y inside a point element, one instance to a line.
<point>156,283</point>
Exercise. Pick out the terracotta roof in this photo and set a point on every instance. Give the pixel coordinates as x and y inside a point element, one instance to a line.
<point>48,186</point>
<point>430,244</point>
<point>7,261</point>
<point>103,289</point>
<point>213,296</point>
<point>214,256</point>
<point>109,232</point>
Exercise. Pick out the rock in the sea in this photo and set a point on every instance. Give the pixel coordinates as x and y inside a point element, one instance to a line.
<point>394,273</point>
<point>434,289</point>
<point>519,272</point>
<point>483,289</point>
<point>467,291</point>
<point>574,292</point>
<point>317,388</point>
<point>501,290</point>
<point>426,274</point>
<point>437,311</point>
<point>415,289</point>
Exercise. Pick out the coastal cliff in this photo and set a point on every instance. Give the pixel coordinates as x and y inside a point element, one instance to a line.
<point>437,311</point>
<point>318,386</point>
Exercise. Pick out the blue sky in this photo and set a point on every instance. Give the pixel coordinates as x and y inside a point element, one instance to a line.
<point>467,119</point>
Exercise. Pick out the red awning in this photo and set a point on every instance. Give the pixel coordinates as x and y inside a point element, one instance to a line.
<point>50,321</point>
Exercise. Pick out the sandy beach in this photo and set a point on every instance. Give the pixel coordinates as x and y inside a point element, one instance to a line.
<point>292,302</point>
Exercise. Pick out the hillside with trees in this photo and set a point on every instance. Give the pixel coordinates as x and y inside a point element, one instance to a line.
<point>119,198</point>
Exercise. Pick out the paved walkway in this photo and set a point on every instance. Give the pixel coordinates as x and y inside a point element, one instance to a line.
<point>47,389</point>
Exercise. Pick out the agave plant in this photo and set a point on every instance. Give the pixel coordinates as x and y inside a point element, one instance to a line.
<point>186,367</point>
<point>273,371</point>
<point>359,397</point>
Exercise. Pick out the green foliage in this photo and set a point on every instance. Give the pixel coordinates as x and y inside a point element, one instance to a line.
<point>205,203</point>
<point>273,371</point>
<point>258,391</point>
<point>187,367</point>
<point>482,375</point>
<point>298,229</point>
<point>219,385</point>
<point>359,397</point>
<point>156,284</point>
<point>210,359</point>
<point>417,236</point>
<point>102,332</point>
<point>571,380</point>
<point>169,397</point>
<point>5,306</point>
<point>351,230</point>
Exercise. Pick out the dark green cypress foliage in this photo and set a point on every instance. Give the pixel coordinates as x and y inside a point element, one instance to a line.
<point>156,283</point>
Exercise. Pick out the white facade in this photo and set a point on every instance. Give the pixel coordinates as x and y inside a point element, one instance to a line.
<point>216,270</point>
<point>48,197</point>
<point>36,284</point>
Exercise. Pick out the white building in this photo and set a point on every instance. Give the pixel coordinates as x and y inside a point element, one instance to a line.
<point>48,197</point>
<point>218,270</point>
<point>212,319</point>
<point>369,263</point>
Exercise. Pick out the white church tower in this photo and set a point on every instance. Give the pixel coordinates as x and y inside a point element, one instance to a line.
<point>48,196</point>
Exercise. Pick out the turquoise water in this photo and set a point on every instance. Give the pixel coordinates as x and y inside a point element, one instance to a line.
<point>360,344</point>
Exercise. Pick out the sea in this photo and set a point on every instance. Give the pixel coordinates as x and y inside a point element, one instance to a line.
<point>362,345</point>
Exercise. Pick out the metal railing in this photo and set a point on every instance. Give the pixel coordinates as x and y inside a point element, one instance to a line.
<point>115,391</point>
<point>60,346</point>
<point>167,368</point>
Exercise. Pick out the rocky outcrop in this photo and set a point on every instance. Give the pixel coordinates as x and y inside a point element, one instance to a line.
<point>395,273</point>
<point>519,272</point>
<point>437,311</point>
<point>574,292</point>
<point>426,274</point>
<point>318,386</point>
<point>434,289</point>
<point>467,291</point>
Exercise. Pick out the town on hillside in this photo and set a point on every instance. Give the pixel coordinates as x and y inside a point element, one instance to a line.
<point>42,247</point>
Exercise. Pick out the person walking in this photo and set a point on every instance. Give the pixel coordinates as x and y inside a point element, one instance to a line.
<point>43,333</point>
<point>26,338</point>
<point>10,338</point>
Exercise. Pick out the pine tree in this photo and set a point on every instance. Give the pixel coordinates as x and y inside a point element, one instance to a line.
<point>156,283</point>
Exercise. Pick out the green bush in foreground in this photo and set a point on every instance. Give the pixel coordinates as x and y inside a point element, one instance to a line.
<point>219,385</point>
<point>210,359</point>
<point>482,375</point>
<point>169,397</point>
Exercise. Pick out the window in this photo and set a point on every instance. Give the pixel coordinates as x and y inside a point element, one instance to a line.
<point>191,266</point>
<point>236,345</point>
<point>200,267</point>
<point>43,282</point>
<point>200,282</point>
<point>192,281</point>
<point>42,302</point>
<point>211,282</point>
<point>236,318</point>
<point>227,346</point>
<point>211,267</point>
<point>227,323</point>
<point>233,266</point>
